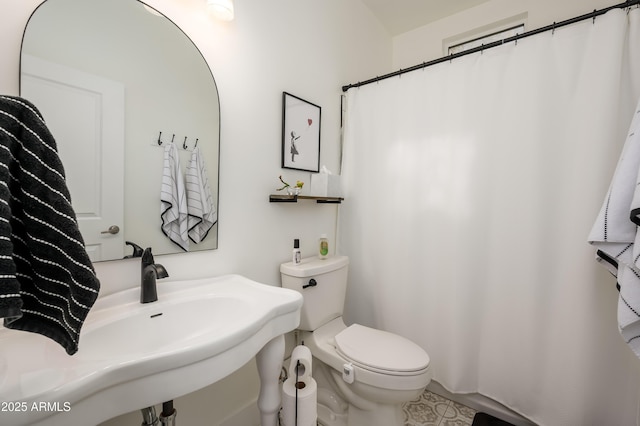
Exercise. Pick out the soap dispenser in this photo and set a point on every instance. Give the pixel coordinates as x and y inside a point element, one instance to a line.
<point>297,257</point>
<point>323,247</point>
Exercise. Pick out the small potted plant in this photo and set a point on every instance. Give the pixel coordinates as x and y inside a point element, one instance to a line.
<point>291,190</point>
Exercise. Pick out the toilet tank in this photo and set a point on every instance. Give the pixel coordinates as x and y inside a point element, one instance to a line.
<point>322,283</point>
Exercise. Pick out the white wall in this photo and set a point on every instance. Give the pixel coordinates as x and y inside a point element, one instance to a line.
<point>309,49</point>
<point>426,43</point>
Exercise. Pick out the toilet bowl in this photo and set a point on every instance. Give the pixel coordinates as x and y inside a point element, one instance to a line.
<point>364,375</point>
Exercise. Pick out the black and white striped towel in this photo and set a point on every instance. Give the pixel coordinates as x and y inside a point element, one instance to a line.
<point>202,212</point>
<point>47,282</point>
<point>173,200</point>
<point>616,238</point>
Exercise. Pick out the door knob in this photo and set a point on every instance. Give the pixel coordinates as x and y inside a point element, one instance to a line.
<point>113,229</point>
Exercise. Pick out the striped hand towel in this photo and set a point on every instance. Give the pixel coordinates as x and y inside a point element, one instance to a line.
<point>615,235</point>
<point>202,212</point>
<point>173,201</point>
<point>47,282</point>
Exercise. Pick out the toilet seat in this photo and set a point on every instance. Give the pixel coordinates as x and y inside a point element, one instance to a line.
<point>380,351</point>
<point>408,377</point>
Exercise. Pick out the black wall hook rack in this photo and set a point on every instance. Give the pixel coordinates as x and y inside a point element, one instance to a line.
<point>160,142</point>
<point>185,146</point>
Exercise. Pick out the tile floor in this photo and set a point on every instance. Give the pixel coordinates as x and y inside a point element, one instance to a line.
<point>431,409</point>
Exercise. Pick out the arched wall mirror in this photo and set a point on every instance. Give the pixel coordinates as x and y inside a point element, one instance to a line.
<point>114,79</point>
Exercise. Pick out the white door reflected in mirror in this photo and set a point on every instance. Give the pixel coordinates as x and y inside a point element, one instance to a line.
<point>89,132</point>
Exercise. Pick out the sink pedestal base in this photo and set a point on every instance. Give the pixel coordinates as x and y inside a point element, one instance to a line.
<point>269,362</point>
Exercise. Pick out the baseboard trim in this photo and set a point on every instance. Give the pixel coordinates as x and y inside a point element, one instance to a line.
<point>249,415</point>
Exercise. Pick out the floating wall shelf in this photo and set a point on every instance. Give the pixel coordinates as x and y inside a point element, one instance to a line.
<point>285,198</point>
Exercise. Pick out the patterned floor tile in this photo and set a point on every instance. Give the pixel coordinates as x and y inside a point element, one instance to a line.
<point>431,409</point>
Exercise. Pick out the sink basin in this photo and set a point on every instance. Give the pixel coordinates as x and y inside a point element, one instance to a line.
<point>135,355</point>
<point>159,328</point>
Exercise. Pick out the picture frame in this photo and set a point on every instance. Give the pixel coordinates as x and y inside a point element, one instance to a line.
<point>300,134</point>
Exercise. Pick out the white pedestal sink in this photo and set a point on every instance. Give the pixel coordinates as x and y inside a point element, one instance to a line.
<point>135,355</point>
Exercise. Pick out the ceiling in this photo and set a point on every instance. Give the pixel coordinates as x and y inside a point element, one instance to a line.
<point>399,16</point>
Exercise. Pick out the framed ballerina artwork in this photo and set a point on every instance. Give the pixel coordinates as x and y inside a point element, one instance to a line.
<point>300,134</point>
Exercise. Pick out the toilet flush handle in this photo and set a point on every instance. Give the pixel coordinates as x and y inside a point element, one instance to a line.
<point>312,283</point>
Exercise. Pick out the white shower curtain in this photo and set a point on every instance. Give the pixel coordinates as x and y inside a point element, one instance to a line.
<point>471,187</point>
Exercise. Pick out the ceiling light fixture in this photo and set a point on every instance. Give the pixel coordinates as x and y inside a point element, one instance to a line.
<point>221,9</point>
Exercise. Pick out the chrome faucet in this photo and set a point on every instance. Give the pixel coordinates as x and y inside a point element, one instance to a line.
<point>150,271</point>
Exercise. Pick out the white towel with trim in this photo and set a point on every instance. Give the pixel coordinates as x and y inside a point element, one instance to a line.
<point>616,238</point>
<point>202,212</point>
<point>173,200</point>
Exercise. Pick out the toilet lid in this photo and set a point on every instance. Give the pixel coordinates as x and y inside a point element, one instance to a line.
<point>380,350</point>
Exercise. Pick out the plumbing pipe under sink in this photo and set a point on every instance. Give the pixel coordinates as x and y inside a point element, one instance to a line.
<point>167,416</point>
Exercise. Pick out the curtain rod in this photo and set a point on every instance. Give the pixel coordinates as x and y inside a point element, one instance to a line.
<point>515,38</point>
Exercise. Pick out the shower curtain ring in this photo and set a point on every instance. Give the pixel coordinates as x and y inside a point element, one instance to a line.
<point>594,16</point>
<point>159,140</point>
<point>553,30</point>
<point>184,144</point>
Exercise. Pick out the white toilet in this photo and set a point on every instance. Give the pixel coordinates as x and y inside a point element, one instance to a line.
<point>364,375</point>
